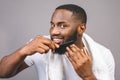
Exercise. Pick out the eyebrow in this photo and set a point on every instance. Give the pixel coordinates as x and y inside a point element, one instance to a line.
<point>58,22</point>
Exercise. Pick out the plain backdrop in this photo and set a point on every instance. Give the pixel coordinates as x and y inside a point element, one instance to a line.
<point>21,20</point>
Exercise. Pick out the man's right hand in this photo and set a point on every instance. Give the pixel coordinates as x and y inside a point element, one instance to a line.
<point>38,44</point>
<point>14,63</point>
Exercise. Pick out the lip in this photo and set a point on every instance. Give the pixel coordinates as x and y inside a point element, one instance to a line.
<point>58,40</point>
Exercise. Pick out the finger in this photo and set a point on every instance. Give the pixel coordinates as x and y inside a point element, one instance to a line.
<point>71,60</point>
<point>81,54</point>
<point>54,45</point>
<point>69,50</point>
<point>49,43</point>
<point>45,41</point>
<point>81,51</point>
<point>72,55</point>
<point>40,50</point>
<point>57,46</point>
<point>86,53</point>
<point>73,48</point>
<point>45,47</point>
<point>77,50</point>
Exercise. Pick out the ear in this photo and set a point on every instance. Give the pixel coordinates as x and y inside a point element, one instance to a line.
<point>81,28</point>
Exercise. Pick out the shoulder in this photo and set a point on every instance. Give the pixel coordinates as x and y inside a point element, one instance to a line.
<point>94,45</point>
<point>47,36</point>
<point>98,49</point>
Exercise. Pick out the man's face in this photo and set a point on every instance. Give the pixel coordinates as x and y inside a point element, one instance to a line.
<point>63,26</point>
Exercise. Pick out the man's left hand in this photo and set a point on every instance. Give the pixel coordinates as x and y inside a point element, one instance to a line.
<point>81,61</point>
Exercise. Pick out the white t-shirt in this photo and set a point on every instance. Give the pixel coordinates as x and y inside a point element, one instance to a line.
<point>57,67</point>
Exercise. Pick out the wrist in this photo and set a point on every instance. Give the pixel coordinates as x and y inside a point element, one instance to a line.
<point>92,77</point>
<point>22,51</point>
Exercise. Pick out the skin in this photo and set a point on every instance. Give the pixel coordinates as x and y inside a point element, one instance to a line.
<point>14,63</point>
<point>76,53</point>
<point>64,27</point>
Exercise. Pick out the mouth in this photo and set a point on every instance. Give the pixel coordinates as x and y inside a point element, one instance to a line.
<point>57,40</point>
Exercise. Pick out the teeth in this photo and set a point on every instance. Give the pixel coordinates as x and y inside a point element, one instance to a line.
<point>57,40</point>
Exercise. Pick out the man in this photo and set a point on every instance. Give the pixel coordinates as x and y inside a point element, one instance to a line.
<point>83,60</point>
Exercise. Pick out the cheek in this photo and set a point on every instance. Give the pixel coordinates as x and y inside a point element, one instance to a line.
<point>68,34</point>
<point>50,30</point>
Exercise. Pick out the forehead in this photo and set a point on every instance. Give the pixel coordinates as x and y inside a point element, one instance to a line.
<point>61,15</point>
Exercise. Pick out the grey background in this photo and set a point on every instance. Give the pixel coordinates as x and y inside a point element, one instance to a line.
<point>20,20</point>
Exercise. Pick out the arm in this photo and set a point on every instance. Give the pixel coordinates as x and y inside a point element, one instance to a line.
<point>14,63</point>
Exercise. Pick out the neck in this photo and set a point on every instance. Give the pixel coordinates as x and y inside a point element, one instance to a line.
<point>79,43</point>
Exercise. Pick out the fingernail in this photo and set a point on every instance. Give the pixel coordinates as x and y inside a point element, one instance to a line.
<point>53,51</point>
<point>72,45</point>
<point>57,45</point>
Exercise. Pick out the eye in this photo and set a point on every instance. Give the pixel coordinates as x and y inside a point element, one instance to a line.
<point>62,26</point>
<point>52,25</point>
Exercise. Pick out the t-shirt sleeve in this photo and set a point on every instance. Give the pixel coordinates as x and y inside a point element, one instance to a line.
<point>36,59</point>
<point>28,60</point>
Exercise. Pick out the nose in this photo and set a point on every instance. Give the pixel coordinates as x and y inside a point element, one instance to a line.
<point>55,31</point>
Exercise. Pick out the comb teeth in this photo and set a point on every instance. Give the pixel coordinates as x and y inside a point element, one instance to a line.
<point>62,48</point>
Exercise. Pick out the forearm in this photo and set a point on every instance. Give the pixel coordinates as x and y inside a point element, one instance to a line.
<point>14,63</point>
<point>9,64</point>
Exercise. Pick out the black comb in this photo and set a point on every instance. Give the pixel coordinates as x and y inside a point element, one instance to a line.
<point>62,48</point>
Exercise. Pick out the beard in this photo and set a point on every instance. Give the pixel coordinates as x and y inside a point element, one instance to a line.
<point>73,37</point>
<point>64,39</point>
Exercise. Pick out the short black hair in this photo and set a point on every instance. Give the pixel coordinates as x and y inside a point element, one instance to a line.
<point>77,11</point>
